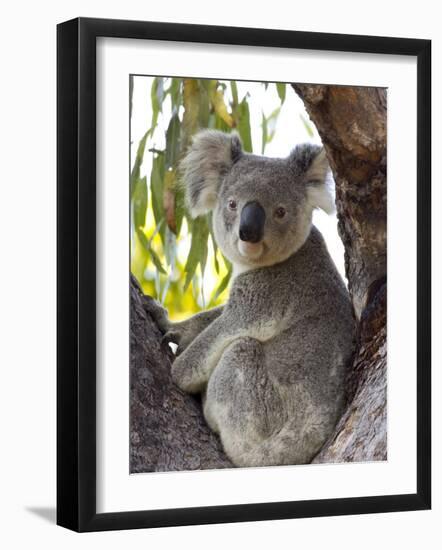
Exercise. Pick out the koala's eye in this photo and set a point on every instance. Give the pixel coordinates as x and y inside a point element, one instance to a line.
<point>280,212</point>
<point>232,204</point>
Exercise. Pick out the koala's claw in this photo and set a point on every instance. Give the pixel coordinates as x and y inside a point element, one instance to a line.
<point>171,336</point>
<point>178,337</point>
<point>158,313</point>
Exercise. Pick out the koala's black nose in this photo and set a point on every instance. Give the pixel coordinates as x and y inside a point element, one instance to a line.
<point>251,225</point>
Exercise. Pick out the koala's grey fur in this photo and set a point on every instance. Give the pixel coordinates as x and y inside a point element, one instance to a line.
<point>270,363</point>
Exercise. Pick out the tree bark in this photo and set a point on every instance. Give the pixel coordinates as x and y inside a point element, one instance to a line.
<point>352,123</point>
<point>168,431</point>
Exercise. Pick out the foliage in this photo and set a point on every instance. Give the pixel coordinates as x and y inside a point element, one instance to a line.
<point>170,252</point>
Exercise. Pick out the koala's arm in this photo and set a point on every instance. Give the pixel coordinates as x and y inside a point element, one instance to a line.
<point>184,332</point>
<point>192,369</point>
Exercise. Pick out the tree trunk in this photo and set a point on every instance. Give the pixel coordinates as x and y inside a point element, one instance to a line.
<point>352,123</point>
<point>168,431</point>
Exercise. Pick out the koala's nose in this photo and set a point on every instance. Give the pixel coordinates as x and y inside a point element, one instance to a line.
<point>251,224</point>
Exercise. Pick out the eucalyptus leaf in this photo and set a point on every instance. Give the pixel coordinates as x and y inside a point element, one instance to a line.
<point>169,198</point>
<point>156,97</point>
<point>173,135</point>
<point>307,125</point>
<point>180,208</point>
<point>175,92</point>
<point>269,127</point>
<point>139,201</point>
<point>214,245</point>
<point>220,107</point>
<point>234,90</point>
<point>192,106</point>
<point>264,133</point>
<point>224,283</point>
<point>170,248</point>
<point>220,124</point>
<point>153,255</point>
<point>204,108</point>
<point>198,249</point>
<point>157,190</point>
<point>281,89</point>
<point>135,174</point>
<point>244,125</point>
<point>271,124</point>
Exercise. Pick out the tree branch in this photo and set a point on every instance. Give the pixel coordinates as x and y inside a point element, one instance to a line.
<point>167,428</point>
<point>352,123</point>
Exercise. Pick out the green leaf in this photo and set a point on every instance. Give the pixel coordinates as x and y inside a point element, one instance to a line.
<point>281,89</point>
<point>269,127</point>
<point>170,248</point>
<point>173,142</point>
<point>157,97</point>
<point>204,108</point>
<point>157,190</point>
<point>234,90</point>
<point>208,84</point>
<point>198,249</point>
<point>215,246</point>
<point>180,208</point>
<point>169,193</point>
<point>192,105</point>
<point>264,133</point>
<point>215,257</point>
<point>135,174</point>
<point>175,92</point>
<point>160,91</point>
<point>307,125</point>
<point>271,124</point>
<point>244,125</point>
<point>153,255</point>
<point>220,124</point>
<point>156,261</point>
<point>224,283</point>
<point>139,201</point>
<point>204,253</point>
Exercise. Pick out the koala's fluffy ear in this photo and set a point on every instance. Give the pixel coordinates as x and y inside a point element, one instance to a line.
<point>310,162</point>
<point>209,158</point>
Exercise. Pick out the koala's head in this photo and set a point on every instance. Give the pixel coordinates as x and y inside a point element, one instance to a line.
<point>262,207</point>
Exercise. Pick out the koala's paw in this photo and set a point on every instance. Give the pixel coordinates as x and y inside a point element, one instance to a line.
<point>182,374</point>
<point>158,313</point>
<point>178,336</point>
<point>172,336</point>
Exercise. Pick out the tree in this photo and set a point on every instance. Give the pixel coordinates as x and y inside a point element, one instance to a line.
<point>167,428</point>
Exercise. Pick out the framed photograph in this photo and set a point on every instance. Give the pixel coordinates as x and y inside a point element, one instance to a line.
<point>243,287</point>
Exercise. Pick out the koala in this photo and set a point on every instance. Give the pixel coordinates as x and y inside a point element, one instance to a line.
<point>271,363</point>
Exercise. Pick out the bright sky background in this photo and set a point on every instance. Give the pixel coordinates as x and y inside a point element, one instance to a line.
<point>290,131</point>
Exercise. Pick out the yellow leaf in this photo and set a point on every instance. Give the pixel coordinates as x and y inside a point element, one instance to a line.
<point>191,98</point>
<point>220,107</point>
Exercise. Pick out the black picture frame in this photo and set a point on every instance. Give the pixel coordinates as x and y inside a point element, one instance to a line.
<point>76,273</point>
